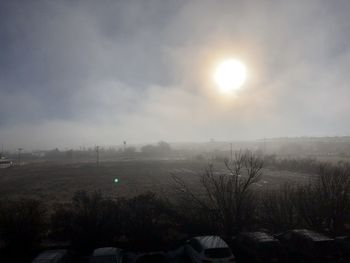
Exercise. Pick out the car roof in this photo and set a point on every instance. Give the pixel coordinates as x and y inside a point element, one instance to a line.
<point>311,235</point>
<point>105,251</point>
<point>50,256</point>
<point>211,242</point>
<point>260,236</point>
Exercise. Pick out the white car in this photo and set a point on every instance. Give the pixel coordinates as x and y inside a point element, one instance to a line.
<point>208,249</point>
<point>107,255</point>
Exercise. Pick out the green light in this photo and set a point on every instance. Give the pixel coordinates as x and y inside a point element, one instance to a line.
<point>116,180</point>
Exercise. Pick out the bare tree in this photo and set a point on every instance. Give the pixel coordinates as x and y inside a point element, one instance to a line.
<point>333,186</point>
<point>227,195</point>
<point>325,202</point>
<point>309,206</point>
<point>278,209</point>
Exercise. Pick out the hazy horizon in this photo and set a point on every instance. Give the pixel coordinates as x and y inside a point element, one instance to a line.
<point>76,73</point>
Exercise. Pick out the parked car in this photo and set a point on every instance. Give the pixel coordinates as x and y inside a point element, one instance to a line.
<point>107,255</point>
<point>310,246</point>
<point>52,256</point>
<point>259,247</point>
<point>207,249</point>
<point>152,257</point>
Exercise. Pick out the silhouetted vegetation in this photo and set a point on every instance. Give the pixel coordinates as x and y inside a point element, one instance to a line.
<point>225,202</point>
<point>89,221</point>
<point>323,204</point>
<point>147,221</point>
<point>278,210</point>
<point>22,227</point>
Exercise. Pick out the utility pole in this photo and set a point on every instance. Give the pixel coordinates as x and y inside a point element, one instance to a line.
<point>97,156</point>
<point>19,155</point>
<point>231,153</point>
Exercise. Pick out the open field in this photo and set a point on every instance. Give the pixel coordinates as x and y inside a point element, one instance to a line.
<point>57,182</point>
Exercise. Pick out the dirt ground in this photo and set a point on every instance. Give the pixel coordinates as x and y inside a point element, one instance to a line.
<point>57,182</point>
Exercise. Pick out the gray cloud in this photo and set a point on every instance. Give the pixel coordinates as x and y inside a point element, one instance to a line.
<point>87,72</point>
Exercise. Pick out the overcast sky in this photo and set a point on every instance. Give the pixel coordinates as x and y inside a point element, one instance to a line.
<point>76,73</point>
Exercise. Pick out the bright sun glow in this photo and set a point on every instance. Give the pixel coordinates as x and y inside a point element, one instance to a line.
<point>230,75</point>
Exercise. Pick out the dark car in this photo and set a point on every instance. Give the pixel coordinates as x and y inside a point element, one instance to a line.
<point>107,255</point>
<point>259,247</point>
<point>310,246</point>
<point>52,256</point>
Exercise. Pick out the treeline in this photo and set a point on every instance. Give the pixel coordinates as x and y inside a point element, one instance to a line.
<point>231,199</point>
<point>224,203</point>
<point>89,221</point>
<point>160,149</point>
<point>323,204</point>
<point>303,165</point>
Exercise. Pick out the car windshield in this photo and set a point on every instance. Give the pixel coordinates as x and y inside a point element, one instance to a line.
<point>218,252</point>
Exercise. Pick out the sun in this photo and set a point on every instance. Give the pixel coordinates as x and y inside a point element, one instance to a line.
<point>230,75</point>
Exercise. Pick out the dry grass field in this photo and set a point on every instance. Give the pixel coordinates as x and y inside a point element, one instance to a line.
<point>57,182</point>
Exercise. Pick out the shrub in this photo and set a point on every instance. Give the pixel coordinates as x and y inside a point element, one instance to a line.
<point>278,208</point>
<point>22,227</point>
<point>88,222</point>
<point>147,220</point>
